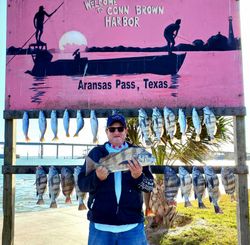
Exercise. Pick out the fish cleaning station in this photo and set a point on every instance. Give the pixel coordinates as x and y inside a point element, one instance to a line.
<point>156,71</point>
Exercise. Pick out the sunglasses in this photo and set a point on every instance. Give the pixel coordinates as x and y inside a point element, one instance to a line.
<point>112,129</point>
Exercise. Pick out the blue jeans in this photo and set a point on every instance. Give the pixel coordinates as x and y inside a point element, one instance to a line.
<point>136,236</point>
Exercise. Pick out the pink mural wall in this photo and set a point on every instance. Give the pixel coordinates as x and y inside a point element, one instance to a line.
<point>123,54</point>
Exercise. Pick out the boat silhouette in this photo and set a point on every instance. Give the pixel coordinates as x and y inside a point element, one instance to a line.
<point>168,64</point>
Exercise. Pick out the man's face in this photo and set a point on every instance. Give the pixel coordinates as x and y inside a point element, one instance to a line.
<point>115,137</point>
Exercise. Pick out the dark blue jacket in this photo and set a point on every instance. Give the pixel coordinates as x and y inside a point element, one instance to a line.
<point>102,204</point>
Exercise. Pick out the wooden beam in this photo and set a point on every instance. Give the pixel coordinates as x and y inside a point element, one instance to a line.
<point>103,113</point>
<point>9,184</point>
<point>31,169</point>
<point>242,185</point>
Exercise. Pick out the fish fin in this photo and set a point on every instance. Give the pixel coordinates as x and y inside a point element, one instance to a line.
<point>68,200</point>
<point>110,155</point>
<point>53,205</point>
<point>40,202</point>
<point>55,138</point>
<point>90,165</point>
<point>82,207</point>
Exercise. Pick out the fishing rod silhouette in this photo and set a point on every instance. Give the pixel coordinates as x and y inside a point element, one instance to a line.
<point>33,34</point>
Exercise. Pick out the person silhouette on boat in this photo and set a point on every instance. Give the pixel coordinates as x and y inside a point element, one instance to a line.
<point>170,34</point>
<point>39,22</point>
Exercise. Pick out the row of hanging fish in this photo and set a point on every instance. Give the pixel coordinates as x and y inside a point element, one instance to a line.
<point>66,123</point>
<point>66,182</point>
<point>199,182</point>
<point>168,120</point>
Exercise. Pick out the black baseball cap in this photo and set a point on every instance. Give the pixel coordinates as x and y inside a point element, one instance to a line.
<point>116,118</point>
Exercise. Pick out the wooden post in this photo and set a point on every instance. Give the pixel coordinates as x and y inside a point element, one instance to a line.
<point>72,151</point>
<point>9,183</point>
<point>42,151</point>
<point>241,187</point>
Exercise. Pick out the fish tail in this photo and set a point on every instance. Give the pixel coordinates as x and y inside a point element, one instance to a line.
<point>90,165</point>
<point>55,138</point>
<point>40,201</point>
<point>75,135</point>
<point>197,138</point>
<point>233,199</point>
<point>27,139</point>
<point>187,204</point>
<point>67,134</point>
<point>218,210</point>
<point>53,204</point>
<point>82,207</point>
<point>201,205</point>
<point>95,140</point>
<point>42,139</point>
<point>68,200</point>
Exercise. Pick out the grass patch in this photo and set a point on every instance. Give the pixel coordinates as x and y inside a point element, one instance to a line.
<point>206,226</point>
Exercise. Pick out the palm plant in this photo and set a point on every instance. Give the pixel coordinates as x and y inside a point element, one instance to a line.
<point>167,152</point>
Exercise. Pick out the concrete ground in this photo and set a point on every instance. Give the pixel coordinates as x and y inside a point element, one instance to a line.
<point>55,226</point>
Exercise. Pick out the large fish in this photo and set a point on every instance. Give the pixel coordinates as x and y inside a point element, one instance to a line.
<point>54,124</point>
<point>117,161</point>
<point>79,122</point>
<point>54,186</point>
<point>186,185</point>
<point>199,185</point>
<point>170,124</point>
<point>79,194</point>
<point>212,183</point>
<point>197,124</point>
<point>41,184</point>
<point>229,181</point>
<point>144,126</point>
<point>183,125</point>
<point>26,125</point>
<point>157,122</point>
<point>66,119</point>
<point>94,126</point>
<point>42,125</point>
<point>172,184</point>
<point>210,122</point>
<point>67,183</point>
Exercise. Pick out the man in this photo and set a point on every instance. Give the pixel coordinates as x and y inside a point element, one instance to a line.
<point>39,21</point>
<point>115,199</point>
<point>170,34</point>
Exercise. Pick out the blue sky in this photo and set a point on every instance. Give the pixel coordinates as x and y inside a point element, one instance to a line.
<point>245,34</point>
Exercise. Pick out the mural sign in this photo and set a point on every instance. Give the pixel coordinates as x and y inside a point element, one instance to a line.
<point>92,54</point>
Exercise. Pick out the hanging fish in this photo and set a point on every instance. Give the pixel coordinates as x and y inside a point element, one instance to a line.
<point>197,124</point>
<point>79,194</point>
<point>170,124</point>
<point>54,124</point>
<point>210,122</point>
<point>144,126</point>
<point>66,122</point>
<point>79,122</point>
<point>212,183</point>
<point>172,184</point>
<point>41,184</point>
<point>183,125</point>
<point>94,126</point>
<point>26,125</point>
<point>157,122</point>
<point>186,185</point>
<point>199,185</point>
<point>229,181</point>
<point>42,125</point>
<point>67,183</point>
<point>54,186</point>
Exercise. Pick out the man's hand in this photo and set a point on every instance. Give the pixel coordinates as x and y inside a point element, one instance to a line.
<point>102,173</point>
<point>135,168</point>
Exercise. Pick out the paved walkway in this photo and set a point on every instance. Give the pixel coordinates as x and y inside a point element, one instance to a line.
<point>53,227</point>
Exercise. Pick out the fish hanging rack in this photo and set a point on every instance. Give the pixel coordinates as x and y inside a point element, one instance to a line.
<point>102,113</point>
